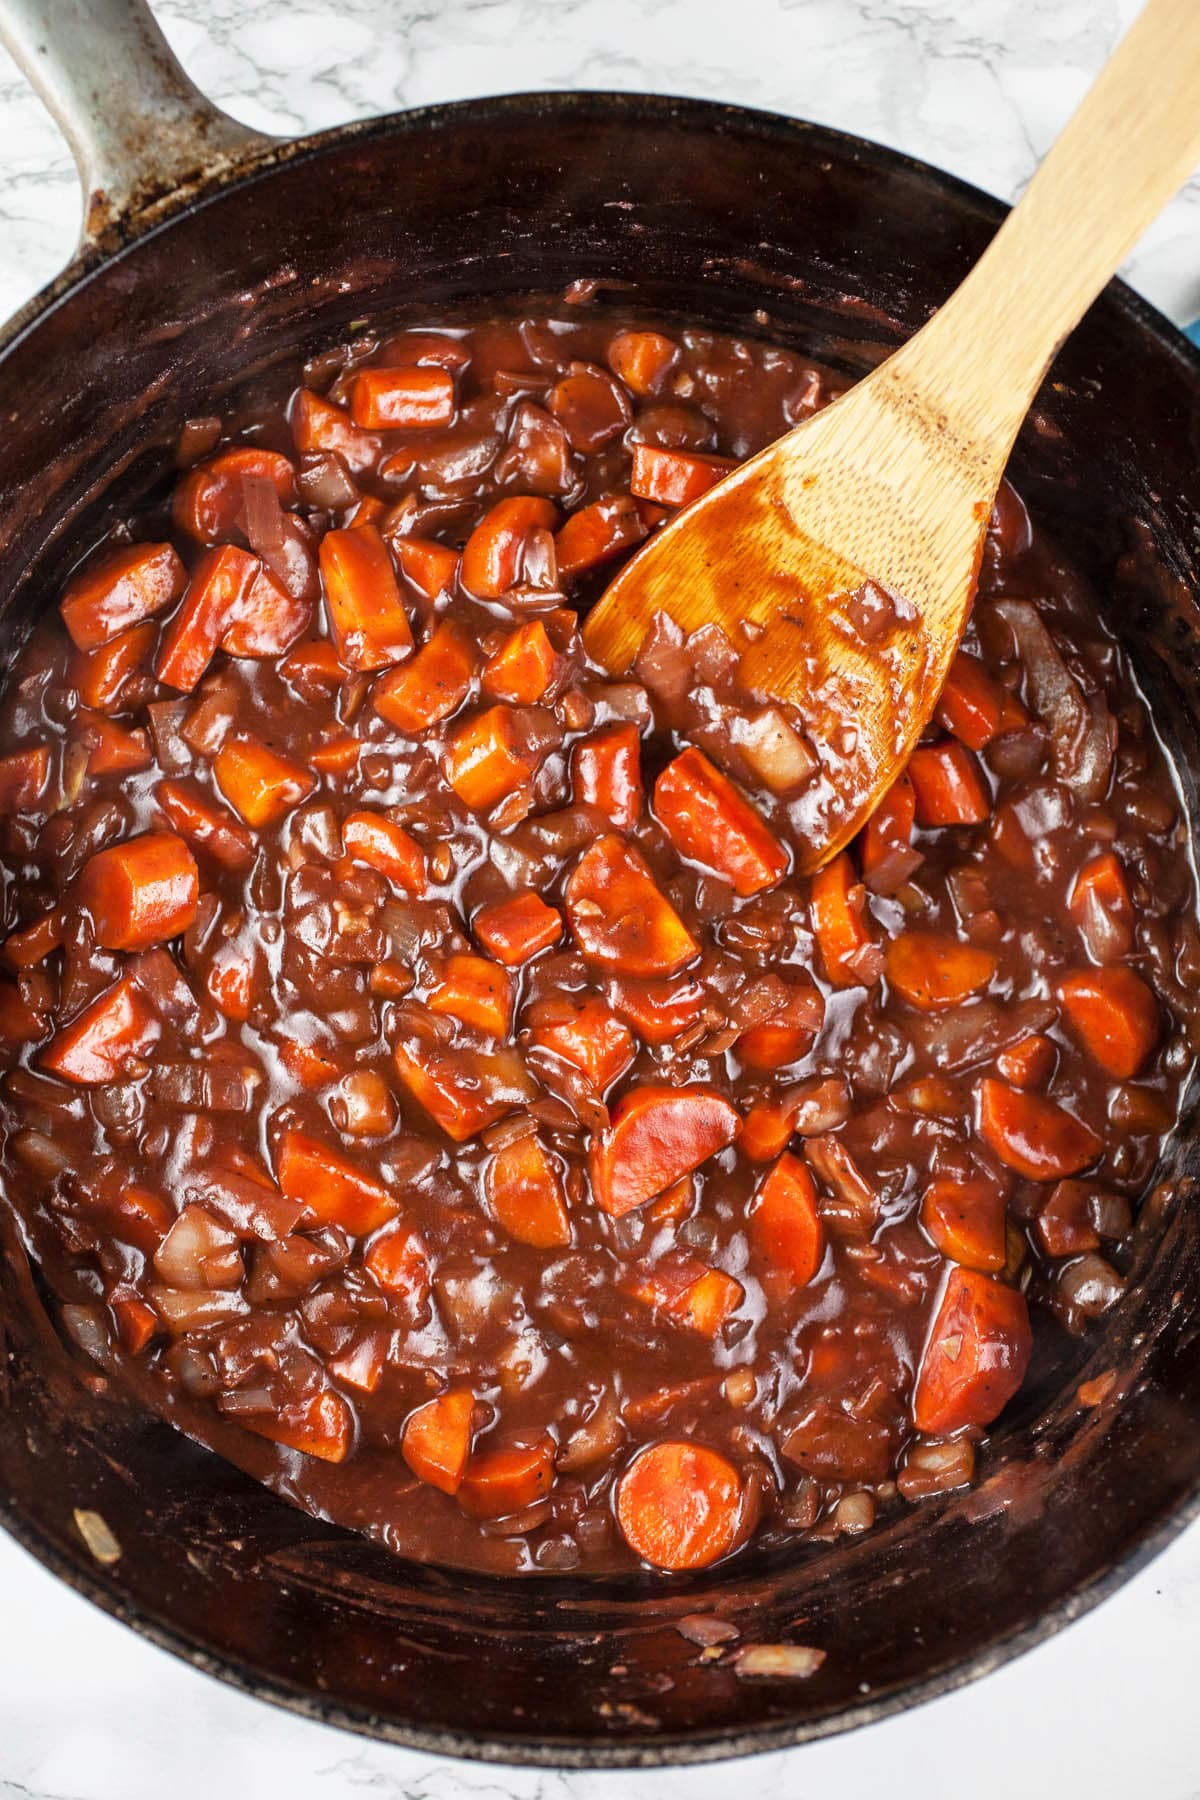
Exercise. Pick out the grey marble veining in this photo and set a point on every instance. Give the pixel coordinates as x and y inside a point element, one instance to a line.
<point>1107,1709</point>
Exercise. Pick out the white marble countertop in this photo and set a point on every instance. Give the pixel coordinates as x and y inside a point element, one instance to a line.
<point>1107,1708</point>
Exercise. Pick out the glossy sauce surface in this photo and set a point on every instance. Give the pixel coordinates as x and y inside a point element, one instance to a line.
<point>426,1081</point>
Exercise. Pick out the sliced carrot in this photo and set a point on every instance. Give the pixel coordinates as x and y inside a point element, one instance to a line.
<point>430,687</point>
<point>1064,1224</point>
<point>204,824</point>
<point>850,956</point>
<point>259,785</point>
<point>679,1505</point>
<point>525,1194</point>
<point>784,1226</point>
<point>431,567</point>
<point>489,757</point>
<point>492,559</point>
<point>773,1046</point>
<point>397,1260</point>
<point>590,1036</point>
<point>27,948</point>
<point>1115,1016</point>
<point>1032,1135</point>
<point>976,1354</point>
<point>596,533</point>
<point>503,1481</point>
<point>766,1129</point>
<point>319,425</point>
<point>335,1190</point>
<point>948,786</point>
<point>463,1091</point>
<point>215,595</point>
<point>606,772</point>
<point>711,822</point>
<point>337,755</point>
<point>113,748</point>
<point>312,669</point>
<point>478,992</point>
<point>657,1135</point>
<point>121,589</point>
<point>229,980</point>
<point>436,1442</point>
<point>1029,1063</point>
<point>620,918</point>
<point>641,359</point>
<point>674,477</point>
<point>966,1221</point>
<point>209,499</point>
<point>933,971</point>
<point>405,399</point>
<point>523,667</point>
<point>692,1297</point>
<point>136,1322</point>
<point>24,778</point>
<point>379,842</point>
<point>515,929</point>
<point>266,620</point>
<point>675,1205</point>
<point>974,708</point>
<point>366,613</point>
<point>1101,886</point>
<point>321,1426</point>
<point>659,1010</point>
<point>114,1030</point>
<point>308,1063</point>
<point>890,826</point>
<point>141,892</point>
<point>99,675</point>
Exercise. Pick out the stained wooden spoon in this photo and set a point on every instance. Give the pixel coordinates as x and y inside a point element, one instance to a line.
<point>843,559</point>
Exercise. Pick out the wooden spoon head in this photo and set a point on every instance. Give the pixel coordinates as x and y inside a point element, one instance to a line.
<point>842,563</point>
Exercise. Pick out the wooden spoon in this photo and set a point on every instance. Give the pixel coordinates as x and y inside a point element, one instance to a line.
<point>891,487</point>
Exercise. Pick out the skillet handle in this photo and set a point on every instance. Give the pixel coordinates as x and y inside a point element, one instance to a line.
<point>138,127</point>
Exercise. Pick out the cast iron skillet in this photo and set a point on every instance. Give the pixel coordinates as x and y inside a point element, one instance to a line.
<point>213,257</point>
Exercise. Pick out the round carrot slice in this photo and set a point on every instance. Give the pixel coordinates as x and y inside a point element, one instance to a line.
<point>678,1505</point>
<point>657,1135</point>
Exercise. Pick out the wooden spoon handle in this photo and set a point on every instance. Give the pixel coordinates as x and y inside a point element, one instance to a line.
<point>1131,145</point>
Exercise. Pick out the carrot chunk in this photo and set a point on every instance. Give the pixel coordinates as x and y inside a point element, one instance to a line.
<point>215,595</point>
<point>932,971</point>
<point>656,1136</point>
<point>948,786</point>
<point>693,1297</point>
<point>336,756</point>
<point>1101,907</point>
<point>382,844</point>
<point>674,477</point>
<point>495,550</point>
<point>312,669</point>
<point>430,687</point>
<point>974,708</point>
<point>398,1262</point>
<point>488,757</point>
<point>679,1505</point>
<point>641,359</point>
<point>204,824</point>
<point>976,1355</point>
<point>523,667</point>
<point>431,567</point>
<point>136,1322</point>
<point>366,613</point>
<point>114,1030</point>
<point>709,821</point>
<point>965,1219</point>
<point>850,956</point>
<point>463,1091</point>
<point>784,1226</point>
<point>513,930</point>
<point>503,1481</point>
<point>591,1037</point>
<point>113,748</point>
<point>406,399</point>
<point>24,778</point>
<point>259,785</point>
<point>890,826</point>
<point>1032,1135</point>
<point>773,1046</point>
<point>1115,1016</point>
<point>321,1426</point>
<point>525,1194</point>
<point>99,675</point>
<point>619,917</point>
<point>210,498</point>
<point>141,892</point>
<point>606,772</point>
<point>229,981</point>
<point>477,991</point>
<point>436,1443</point>
<point>659,1010</point>
<point>319,425</point>
<point>1028,1063</point>
<point>596,533</point>
<point>120,590</point>
<point>335,1190</point>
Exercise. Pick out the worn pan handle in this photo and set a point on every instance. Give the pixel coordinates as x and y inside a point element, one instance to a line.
<point>139,129</point>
